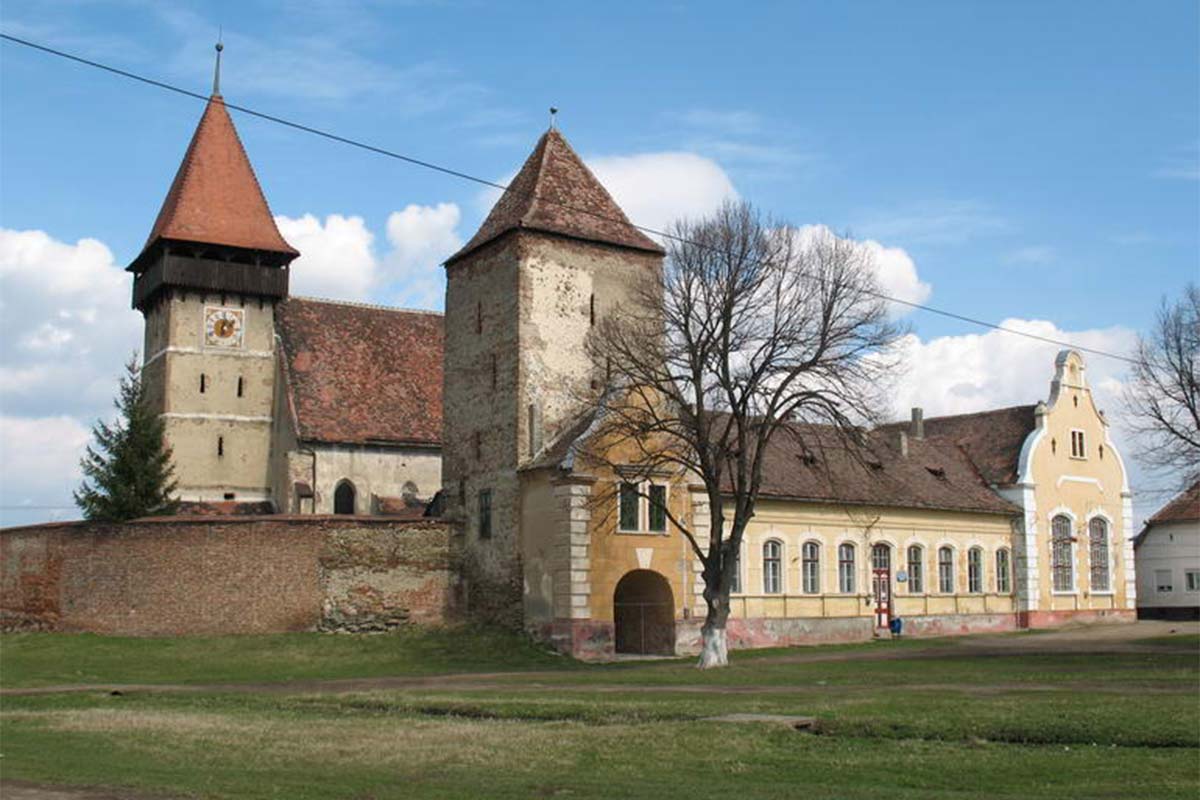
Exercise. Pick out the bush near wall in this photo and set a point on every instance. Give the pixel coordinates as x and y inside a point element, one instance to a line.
<point>217,575</point>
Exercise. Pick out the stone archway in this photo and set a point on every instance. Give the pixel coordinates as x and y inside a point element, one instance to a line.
<point>644,614</point>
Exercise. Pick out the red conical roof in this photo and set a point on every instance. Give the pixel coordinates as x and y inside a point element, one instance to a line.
<point>555,192</point>
<point>215,197</point>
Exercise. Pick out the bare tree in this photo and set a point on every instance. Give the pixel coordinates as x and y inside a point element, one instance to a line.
<point>750,327</point>
<point>1164,395</point>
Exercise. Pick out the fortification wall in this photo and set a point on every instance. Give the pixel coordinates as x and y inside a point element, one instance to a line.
<point>219,575</point>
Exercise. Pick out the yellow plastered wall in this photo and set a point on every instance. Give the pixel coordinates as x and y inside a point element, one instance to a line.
<point>1079,488</point>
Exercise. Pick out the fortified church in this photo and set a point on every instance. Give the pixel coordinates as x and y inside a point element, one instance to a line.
<point>285,405</point>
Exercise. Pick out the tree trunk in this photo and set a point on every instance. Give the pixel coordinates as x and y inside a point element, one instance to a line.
<point>714,652</point>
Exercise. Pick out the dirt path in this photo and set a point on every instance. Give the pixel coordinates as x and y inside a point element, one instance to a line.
<point>1098,639</point>
<point>27,790</point>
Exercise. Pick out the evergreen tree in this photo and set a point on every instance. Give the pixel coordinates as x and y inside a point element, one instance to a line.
<point>128,473</point>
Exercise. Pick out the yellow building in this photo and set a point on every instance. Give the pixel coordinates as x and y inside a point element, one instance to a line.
<point>990,521</point>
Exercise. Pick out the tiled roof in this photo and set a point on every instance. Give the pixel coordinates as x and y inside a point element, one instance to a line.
<point>359,374</point>
<point>807,462</point>
<point>1184,508</point>
<point>992,439</point>
<point>555,192</point>
<point>215,197</point>
<point>810,463</point>
<point>224,508</point>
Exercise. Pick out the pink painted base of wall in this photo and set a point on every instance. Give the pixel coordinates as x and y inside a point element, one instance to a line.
<point>1059,619</point>
<point>587,640</point>
<point>958,624</point>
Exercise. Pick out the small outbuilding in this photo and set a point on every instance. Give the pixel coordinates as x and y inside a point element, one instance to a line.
<point>1167,556</point>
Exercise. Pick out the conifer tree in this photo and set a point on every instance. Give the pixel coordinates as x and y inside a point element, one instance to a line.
<point>128,472</point>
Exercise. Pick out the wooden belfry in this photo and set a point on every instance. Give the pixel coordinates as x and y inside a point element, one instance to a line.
<point>215,232</point>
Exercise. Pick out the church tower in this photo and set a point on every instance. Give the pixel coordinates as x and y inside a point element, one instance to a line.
<point>554,255</point>
<point>207,282</point>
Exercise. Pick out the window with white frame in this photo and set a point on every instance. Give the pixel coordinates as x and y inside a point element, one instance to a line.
<point>975,570</point>
<point>916,569</point>
<point>1162,581</point>
<point>1191,580</point>
<point>1078,444</point>
<point>1003,573</point>
<point>772,567</point>
<point>1098,554</point>
<point>642,507</point>
<point>946,570</point>
<point>629,507</point>
<point>846,568</point>
<point>1062,556</point>
<point>810,568</point>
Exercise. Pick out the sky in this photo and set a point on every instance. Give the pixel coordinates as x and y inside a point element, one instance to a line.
<point>1035,164</point>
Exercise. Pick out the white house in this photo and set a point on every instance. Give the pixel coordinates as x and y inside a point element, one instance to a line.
<point>1167,559</point>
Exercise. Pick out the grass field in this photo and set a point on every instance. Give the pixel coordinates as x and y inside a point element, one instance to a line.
<point>927,719</point>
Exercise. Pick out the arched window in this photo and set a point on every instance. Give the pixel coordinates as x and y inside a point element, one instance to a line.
<point>772,567</point>
<point>810,567</point>
<point>881,557</point>
<point>1003,576</point>
<point>1098,554</point>
<point>946,570</point>
<point>846,568</point>
<point>1061,556</point>
<point>343,498</point>
<point>916,569</point>
<point>975,570</point>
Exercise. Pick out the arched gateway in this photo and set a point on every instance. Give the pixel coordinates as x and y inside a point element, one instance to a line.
<point>644,614</point>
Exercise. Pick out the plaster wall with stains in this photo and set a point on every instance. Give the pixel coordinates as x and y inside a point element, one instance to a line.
<point>220,437</point>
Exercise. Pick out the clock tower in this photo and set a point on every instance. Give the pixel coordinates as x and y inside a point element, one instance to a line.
<point>207,283</point>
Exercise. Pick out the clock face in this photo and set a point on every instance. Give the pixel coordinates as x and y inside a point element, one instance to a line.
<point>223,326</point>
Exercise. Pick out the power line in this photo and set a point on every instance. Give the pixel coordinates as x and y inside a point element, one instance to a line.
<point>492,184</point>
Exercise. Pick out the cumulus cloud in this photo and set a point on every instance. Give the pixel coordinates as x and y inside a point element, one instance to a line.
<point>39,465</point>
<point>654,189</point>
<point>894,268</point>
<point>421,238</point>
<point>336,257</point>
<point>974,372</point>
<point>65,330</point>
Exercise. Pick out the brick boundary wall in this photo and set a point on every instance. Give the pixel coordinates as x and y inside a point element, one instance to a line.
<point>222,575</point>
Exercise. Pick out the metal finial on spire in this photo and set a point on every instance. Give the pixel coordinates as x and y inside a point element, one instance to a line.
<point>553,112</point>
<point>217,69</point>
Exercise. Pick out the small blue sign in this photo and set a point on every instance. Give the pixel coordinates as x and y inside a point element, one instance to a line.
<point>901,576</point>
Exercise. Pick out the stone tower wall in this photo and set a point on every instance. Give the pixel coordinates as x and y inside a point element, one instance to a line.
<point>175,358</point>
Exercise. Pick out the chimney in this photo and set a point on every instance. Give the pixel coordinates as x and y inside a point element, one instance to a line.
<point>903,444</point>
<point>917,427</point>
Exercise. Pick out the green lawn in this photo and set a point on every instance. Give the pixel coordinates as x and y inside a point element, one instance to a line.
<point>934,722</point>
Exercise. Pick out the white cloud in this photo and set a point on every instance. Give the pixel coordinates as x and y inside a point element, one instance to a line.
<point>974,372</point>
<point>336,258</point>
<point>894,268</point>
<point>655,189</point>
<point>39,464</point>
<point>422,237</point>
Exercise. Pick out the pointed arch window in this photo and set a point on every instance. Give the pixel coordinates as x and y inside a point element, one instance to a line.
<point>1062,557</point>
<point>1098,554</point>
<point>343,498</point>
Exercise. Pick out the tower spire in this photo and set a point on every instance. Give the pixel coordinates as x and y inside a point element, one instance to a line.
<point>217,70</point>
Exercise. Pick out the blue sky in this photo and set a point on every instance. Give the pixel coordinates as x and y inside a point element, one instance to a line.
<point>1032,162</point>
